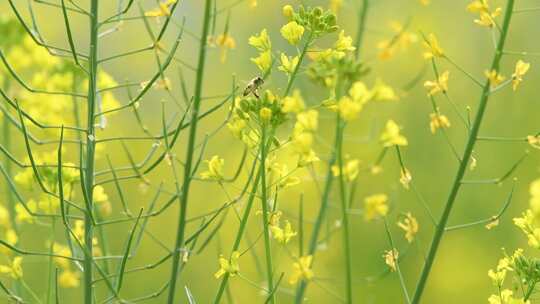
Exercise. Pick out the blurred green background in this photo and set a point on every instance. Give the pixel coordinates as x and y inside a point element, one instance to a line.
<point>460,271</point>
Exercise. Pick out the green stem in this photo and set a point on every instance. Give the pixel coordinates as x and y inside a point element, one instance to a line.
<point>240,233</point>
<point>297,68</point>
<point>361,26</point>
<point>465,160</point>
<point>264,200</point>
<point>322,211</point>
<point>344,216</point>
<point>183,198</point>
<point>88,183</point>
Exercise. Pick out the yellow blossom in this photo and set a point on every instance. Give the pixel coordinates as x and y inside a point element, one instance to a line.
<point>252,3</point>
<point>307,158</point>
<point>348,108</point>
<point>293,104</point>
<point>282,235</point>
<point>438,121</point>
<point>439,85</point>
<point>486,17</point>
<point>288,11</point>
<point>391,135</point>
<point>335,5</point>
<point>410,226</point>
<point>494,78</point>
<point>433,49</point>
<point>229,266</point>
<point>288,64</point>
<point>261,42</point>
<point>383,92</point>
<point>302,142</point>
<point>264,61</point>
<point>302,270</point>
<point>534,141</point>
<point>225,42</point>
<point>215,169</point>
<point>401,40</point>
<point>14,269</point>
<point>521,69</point>
<point>164,9</point>
<point>350,170</point>
<point>425,2</point>
<point>405,178</point>
<point>265,114</point>
<point>360,93</point>
<point>69,279</point>
<point>292,32</point>
<point>375,205</point>
<point>308,121</point>
<point>343,45</point>
<point>391,258</point>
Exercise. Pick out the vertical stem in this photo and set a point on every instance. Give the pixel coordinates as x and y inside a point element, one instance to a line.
<point>183,198</point>
<point>361,26</point>
<point>268,251</point>
<point>465,160</point>
<point>90,152</point>
<point>297,68</point>
<point>322,211</point>
<point>344,216</point>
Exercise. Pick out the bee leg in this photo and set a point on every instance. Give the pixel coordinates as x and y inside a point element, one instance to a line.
<point>256,93</point>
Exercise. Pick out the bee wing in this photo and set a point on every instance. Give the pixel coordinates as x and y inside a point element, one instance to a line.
<point>248,90</point>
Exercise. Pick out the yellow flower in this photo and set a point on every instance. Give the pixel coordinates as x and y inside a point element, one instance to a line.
<point>292,32</point>
<point>302,142</point>
<point>350,170</point>
<point>23,215</point>
<point>383,92</point>
<point>261,42</point>
<point>360,93</point>
<point>225,42</point>
<point>252,3</point>
<point>264,61</point>
<point>335,5</point>
<point>391,135</point>
<point>401,40</point>
<point>425,2</point>
<point>405,178</point>
<point>534,141</point>
<point>343,45</point>
<point>61,250</point>
<point>486,17</point>
<point>438,121</point>
<point>348,108</point>
<point>215,169</point>
<point>307,158</point>
<point>391,258</point>
<point>282,235</point>
<point>69,279</point>
<point>265,114</point>
<point>439,85</point>
<point>288,11</point>
<point>229,266</point>
<point>302,270</point>
<point>293,104</point>
<point>308,121</point>
<point>521,69</point>
<point>410,226</point>
<point>163,10</point>
<point>494,78</point>
<point>433,48</point>
<point>14,269</point>
<point>375,206</point>
<point>288,64</point>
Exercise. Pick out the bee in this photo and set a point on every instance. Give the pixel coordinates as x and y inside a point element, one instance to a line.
<point>253,87</point>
